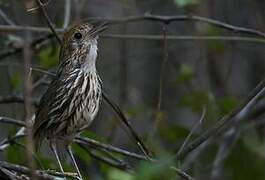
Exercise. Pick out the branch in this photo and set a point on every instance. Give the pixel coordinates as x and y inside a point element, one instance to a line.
<point>16,99</point>
<point>12,121</point>
<point>173,18</point>
<point>227,121</point>
<point>94,143</point>
<point>48,20</point>
<point>118,165</point>
<point>6,18</point>
<point>33,45</point>
<point>67,13</point>
<point>127,123</point>
<point>40,174</point>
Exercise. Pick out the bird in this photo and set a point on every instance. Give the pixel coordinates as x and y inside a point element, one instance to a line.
<point>72,99</point>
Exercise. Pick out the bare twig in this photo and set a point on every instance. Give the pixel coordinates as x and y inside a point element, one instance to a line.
<point>67,13</point>
<point>192,131</point>
<point>16,99</point>
<point>173,18</point>
<point>118,165</point>
<point>6,18</point>
<point>94,143</point>
<point>33,44</point>
<point>11,121</point>
<point>121,115</point>
<point>49,23</point>
<point>40,174</point>
<point>27,53</point>
<point>226,121</point>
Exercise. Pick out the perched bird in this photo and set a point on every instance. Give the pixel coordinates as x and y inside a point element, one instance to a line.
<point>72,99</point>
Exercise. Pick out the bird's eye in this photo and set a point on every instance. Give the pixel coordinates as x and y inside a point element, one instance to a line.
<point>78,36</point>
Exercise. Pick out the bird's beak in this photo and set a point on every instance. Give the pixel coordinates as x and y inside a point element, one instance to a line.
<point>98,28</point>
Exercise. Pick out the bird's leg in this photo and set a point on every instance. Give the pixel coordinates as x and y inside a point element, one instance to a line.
<point>70,152</point>
<point>54,150</point>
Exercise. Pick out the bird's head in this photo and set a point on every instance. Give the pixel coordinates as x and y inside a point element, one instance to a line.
<point>80,44</point>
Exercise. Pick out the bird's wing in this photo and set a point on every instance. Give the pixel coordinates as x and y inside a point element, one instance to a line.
<point>56,101</point>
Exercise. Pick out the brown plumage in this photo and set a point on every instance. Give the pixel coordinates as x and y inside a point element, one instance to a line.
<point>72,99</point>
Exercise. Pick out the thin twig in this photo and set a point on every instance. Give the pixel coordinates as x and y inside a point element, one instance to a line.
<point>196,125</point>
<point>49,23</point>
<point>175,18</point>
<point>226,121</point>
<point>91,142</point>
<point>16,99</point>
<point>41,174</point>
<point>119,165</point>
<point>67,13</point>
<point>12,121</point>
<point>6,18</point>
<point>121,115</point>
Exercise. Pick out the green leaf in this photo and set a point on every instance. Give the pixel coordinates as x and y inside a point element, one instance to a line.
<point>183,3</point>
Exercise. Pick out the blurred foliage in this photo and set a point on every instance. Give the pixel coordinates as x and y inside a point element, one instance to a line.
<point>48,57</point>
<point>16,81</point>
<point>183,3</point>
<point>185,74</point>
<point>216,46</point>
<point>115,174</point>
<point>156,171</point>
<point>243,164</point>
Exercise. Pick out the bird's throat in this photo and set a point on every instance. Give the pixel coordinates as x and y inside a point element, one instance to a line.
<point>90,61</point>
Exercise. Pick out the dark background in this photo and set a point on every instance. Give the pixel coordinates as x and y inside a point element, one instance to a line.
<point>162,88</point>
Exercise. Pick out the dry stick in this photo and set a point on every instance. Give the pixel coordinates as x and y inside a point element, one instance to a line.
<point>191,132</point>
<point>12,121</point>
<point>13,51</point>
<point>16,99</point>
<point>67,13</point>
<point>169,19</point>
<point>118,111</point>
<point>148,17</point>
<point>226,121</point>
<point>97,144</point>
<point>27,53</point>
<point>161,80</point>
<point>33,45</point>
<point>139,37</point>
<point>6,18</point>
<point>115,164</point>
<point>183,37</point>
<point>41,174</point>
<point>49,23</point>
